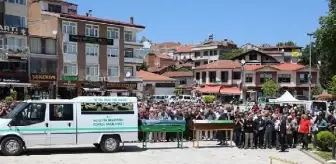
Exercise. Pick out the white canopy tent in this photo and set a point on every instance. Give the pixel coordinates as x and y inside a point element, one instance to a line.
<point>287,98</point>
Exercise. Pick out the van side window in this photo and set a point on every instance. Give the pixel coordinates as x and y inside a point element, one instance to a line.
<point>61,112</point>
<point>107,108</point>
<point>34,113</point>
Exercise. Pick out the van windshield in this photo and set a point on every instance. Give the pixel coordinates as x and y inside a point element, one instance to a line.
<point>16,110</point>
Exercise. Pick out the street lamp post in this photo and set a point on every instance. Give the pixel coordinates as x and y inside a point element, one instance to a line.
<point>310,65</point>
<point>242,62</point>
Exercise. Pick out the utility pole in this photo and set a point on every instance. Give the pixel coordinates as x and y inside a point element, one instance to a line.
<point>310,65</point>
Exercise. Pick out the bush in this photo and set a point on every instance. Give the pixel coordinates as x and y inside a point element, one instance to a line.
<point>325,140</point>
<point>9,98</point>
<point>209,99</point>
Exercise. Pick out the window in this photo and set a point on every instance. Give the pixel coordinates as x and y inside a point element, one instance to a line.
<point>15,43</point>
<point>197,64</point>
<point>113,71</point>
<point>304,78</point>
<point>253,57</point>
<point>36,66</point>
<point>50,46</point>
<point>204,77</point>
<point>198,76</point>
<point>92,49</point>
<point>128,69</point>
<point>129,52</point>
<point>61,112</point>
<point>287,59</point>
<point>70,48</point>
<point>54,8</point>
<point>129,36</point>
<point>92,70</point>
<point>70,69</point>
<point>205,62</point>
<point>15,21</point>
<point>215,52</point>
<point>69,28</point>
<point>21,2</point>
<point>91,30</point>
<point>112,51</point>
<point>284,78</point>
<point>205,53</point>
<point>224,76</point>
<point>248,77</point>
<point>211,53</point>
<point>197,54</point>
<point>212,76</point>
<point>51,66</point>
<point>35,45</point>
<point>112,33</point>
<point>2,43</point>
<point>34,113</point>
<point>108,108</point>
<point>183,82</point>
<point>236,75</point>
<point>265,76</point>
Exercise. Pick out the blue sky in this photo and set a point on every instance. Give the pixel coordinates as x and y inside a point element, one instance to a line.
<point>191,21</point>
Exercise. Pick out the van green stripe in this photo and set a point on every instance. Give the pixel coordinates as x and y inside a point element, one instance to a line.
<point>92,129</point>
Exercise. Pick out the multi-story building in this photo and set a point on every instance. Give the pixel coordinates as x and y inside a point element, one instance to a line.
<point>184,52</point>
<point>210,50</point>
<point>283,54</point>
<point>167,48</point>
<point>13,48</point>
<point>93,54</point>
<point>225,76</point>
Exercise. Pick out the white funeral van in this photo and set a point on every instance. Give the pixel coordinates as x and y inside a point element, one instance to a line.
<point>105,122</point>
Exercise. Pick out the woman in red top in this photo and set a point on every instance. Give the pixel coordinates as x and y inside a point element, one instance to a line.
<point>304,130</point>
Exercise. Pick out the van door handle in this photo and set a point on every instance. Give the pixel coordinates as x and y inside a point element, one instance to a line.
<point>46,124</point>
<point>69,124</point>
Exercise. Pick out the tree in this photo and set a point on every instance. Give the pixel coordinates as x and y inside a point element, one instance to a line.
<point>304,59</point>
<point>288,43</point>
<point>269,88</point>
<point>317,90</point>
<point>325,42</point>
<point>143,67</point>
<point>332,86</point>
<point>229,55</point>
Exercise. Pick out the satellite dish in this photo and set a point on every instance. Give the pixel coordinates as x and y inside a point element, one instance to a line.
<point>128,74</point>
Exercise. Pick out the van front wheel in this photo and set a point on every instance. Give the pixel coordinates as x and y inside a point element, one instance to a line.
<point>11,146</point>
<point>109,144</point>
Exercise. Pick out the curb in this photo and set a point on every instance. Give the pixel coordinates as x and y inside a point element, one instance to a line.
<point>314,156</point>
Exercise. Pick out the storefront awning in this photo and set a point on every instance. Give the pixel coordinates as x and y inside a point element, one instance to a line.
<point>230,91</point>
<point>210,89</point>
<point>4,84</point>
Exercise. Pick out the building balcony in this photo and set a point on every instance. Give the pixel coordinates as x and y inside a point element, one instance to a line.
<point>133,78</point>
<point>133,42</point>
<point>205,57</point>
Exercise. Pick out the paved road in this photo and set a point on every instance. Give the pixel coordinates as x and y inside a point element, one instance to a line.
<point>164,153</point>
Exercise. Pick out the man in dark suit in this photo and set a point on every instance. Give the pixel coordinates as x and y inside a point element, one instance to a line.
<point>259,135</point>
<point>220,135</point>
<point>283,130</point>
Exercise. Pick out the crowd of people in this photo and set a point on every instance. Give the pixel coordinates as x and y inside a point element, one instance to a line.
<point>272,126</point>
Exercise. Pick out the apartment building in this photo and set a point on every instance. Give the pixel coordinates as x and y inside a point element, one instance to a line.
<point>225,76</point>
<point>283,54</point>
<point>210,50</point>
<point>13,48</point>
<point>184,52</point>
<point>94,54</point>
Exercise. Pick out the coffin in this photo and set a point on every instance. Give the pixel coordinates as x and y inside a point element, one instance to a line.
<point>211,124</point>
<point>163,125</point>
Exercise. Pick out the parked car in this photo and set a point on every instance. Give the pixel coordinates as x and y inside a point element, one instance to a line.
<point>162,98</point>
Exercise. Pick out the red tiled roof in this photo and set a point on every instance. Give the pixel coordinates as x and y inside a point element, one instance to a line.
<point>184,48</point>
<point>210,89</point>
<point>148,76</point>
<point>288,66</point>
<point>100,20</point>
<point>179,74</point>
<point>164,56</point>
<point>228,64</point>
<point>220,64</point>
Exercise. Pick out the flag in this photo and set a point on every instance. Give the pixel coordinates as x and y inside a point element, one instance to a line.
<point>295,52</point>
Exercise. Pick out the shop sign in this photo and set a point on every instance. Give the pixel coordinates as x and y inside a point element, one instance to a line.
<point>88,39</point>
<point>43,77</point>
<point>13,30</point>
<point>14,77</point>
<point>165,85</point>
<point>69,78</point>
<point>67,84</point>
<point>122,85</point>
<point>92,84</point>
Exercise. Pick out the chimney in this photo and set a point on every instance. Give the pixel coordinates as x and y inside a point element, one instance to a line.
<point>131,20</point>
<point>89,14</point>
